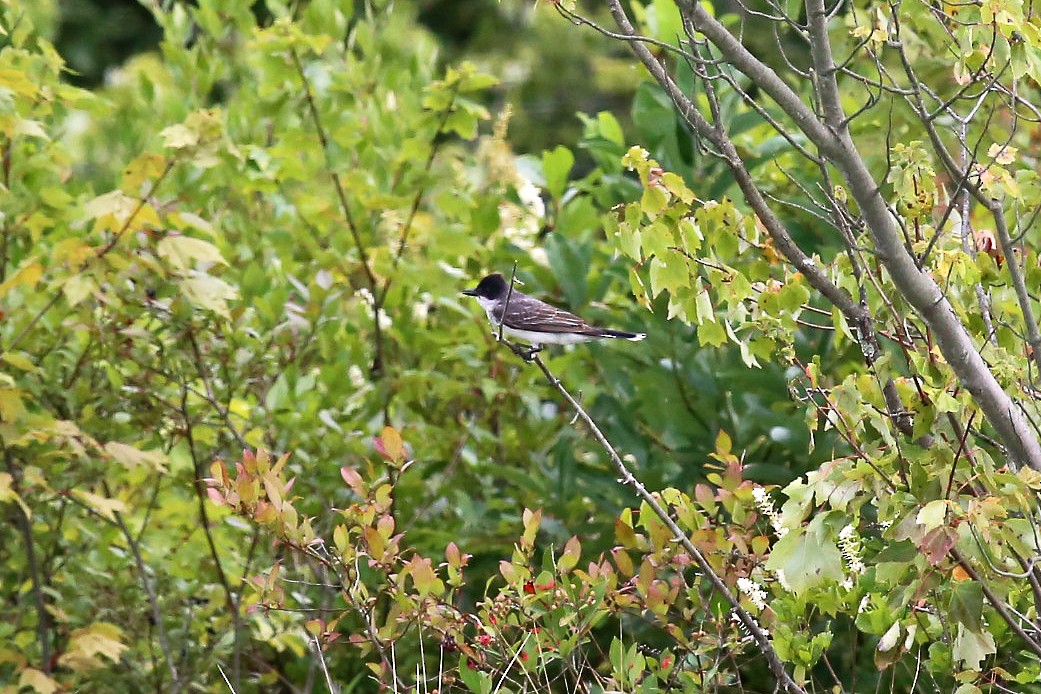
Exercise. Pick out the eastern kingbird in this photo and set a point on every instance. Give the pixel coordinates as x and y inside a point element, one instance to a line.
<point>534,321</point>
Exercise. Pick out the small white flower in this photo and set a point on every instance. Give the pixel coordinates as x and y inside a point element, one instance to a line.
<point>421,309</point>
<point>783,580</point>
<point>531,197</point>
<point>355,375</point>
<point>754,591</point>
<point>849,545</point>
<point>766,507</point>
<point>366,296</point>
<point>744,630</point>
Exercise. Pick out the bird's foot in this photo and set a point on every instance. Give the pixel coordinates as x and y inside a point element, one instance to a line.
<point>525,352</point>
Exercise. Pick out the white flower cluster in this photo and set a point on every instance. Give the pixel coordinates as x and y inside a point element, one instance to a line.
<point>744,630</point>
<point>766,507</point>
<point>365,295</point>
<point>849,545</point>
<point>754,591</point>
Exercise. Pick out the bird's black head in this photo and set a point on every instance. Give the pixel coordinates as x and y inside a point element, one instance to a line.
<point>491,287</point>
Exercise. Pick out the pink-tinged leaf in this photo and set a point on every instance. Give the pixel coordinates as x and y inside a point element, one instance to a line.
<point>937,543</point>
<point>423,576</point>
<point>216,497</point>
<point>376,543</point>
<point>569,559</point>
<point>452,555</point>
<point>353,480</point>
<point>392,445</point>
<point>508,571</point>
<point>377,443</point>
<point>385,525</point>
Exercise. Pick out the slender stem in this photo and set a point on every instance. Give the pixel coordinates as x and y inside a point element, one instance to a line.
<point>348,216</point>
<point>153,599</point>
<point>509,295</point>
<point>1033,335</point>
<point>43,617</point>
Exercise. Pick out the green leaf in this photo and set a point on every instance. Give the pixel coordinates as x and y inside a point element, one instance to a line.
<point>657,238</point>
<point>971,648</point>
<point>556,167</point>
<point>669,274</point>
<point>807,557</point>
<point>712,334</point>
<point>933,514</point>
<point>967,604</point>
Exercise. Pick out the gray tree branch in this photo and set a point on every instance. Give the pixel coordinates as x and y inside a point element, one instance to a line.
<point>835,143</point>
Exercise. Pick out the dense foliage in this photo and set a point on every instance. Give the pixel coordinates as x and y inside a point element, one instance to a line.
<point>253,438</point>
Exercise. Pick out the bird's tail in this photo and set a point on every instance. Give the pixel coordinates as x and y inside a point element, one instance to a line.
<point>623,335</point>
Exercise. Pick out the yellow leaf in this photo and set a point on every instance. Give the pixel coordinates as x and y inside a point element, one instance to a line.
<point>8,655</point>
<point>20,360</point>
<point>115,203</point>
<point>77,288</point>
<point>182,251</point>
<point>186,219</point>
<point>72,251</point>
<point>41,683</point>
<point>85,645</point>
<point>30,128</point>
<point>206,291</point>
<point>179,137</point>
<point>104,507</point>
<point>145,167</point>
<point>27,274</point>
<point>131,457</point>
<point>392,443</point>
<point>7,493</point>
<point>19,82</point>
<point>11,407</point>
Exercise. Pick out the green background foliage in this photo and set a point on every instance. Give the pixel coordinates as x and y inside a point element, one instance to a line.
<point>252,432</point>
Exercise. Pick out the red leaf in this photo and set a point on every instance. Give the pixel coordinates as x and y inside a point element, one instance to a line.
<point>937,543</point>
<point>529,587</point>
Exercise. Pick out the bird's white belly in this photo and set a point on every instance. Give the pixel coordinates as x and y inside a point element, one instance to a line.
<point>537,339</point>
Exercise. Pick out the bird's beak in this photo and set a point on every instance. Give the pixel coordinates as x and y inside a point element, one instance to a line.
<point>469,292</point>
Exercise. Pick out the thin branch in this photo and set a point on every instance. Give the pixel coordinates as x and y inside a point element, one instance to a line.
<point>333,689</point>
<point>43,617</point>
<point>348,216</point>
<point>153,599</point>
<point>1018,282</point>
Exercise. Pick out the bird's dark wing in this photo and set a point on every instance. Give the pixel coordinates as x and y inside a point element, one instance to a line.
<point>527,313</point>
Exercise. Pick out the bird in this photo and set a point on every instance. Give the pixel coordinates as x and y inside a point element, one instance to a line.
<point>534,321</point>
